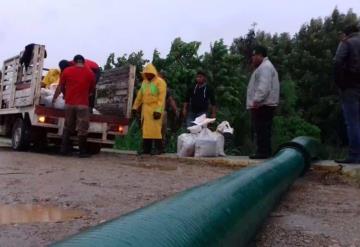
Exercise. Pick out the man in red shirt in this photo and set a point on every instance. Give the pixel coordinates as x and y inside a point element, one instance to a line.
<point>77,83</point>
<point>97,72</point>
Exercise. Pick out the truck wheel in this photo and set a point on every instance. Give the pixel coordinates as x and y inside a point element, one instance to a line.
<point>20,135</point>
<point>94,148</point>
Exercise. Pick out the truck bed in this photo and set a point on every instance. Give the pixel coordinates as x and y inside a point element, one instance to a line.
<point>58,113</point>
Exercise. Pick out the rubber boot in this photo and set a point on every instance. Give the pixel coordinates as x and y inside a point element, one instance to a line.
<point>64,148</point>
<point>147,145</point>
<point>82,147</point>
<point>159,147</point>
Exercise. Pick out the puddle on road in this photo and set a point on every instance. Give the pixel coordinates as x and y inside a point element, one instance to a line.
<point>20,214</point>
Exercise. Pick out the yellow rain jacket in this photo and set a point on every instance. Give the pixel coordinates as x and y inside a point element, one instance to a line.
<point>151,98</point>
<point>52,76</point>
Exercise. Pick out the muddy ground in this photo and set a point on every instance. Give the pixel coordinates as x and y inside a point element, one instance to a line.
<point>319,210</point>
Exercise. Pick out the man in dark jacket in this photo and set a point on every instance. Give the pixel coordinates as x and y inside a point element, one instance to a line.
<point>347,78</point>
<point>198,100</point>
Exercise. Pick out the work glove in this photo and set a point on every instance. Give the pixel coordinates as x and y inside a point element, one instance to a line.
<point>156,115</point>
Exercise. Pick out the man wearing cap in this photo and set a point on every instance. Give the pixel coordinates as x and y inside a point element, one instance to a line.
<point>151,98</point>
<point>77,83</point>
<point>96,70</point>
<point>262,98</point>
<point>347,78</point>
<point>198,100</point>
<point>94,67</point>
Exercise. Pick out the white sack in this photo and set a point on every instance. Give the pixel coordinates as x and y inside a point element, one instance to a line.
<point>186,145</point>
<point>59,102</point>
<point>209,144</point>
<point>225,127</point>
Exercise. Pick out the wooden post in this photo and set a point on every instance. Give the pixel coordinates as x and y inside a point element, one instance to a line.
<point>17,69</point>
<point>36,83</point>
<point>132,74</point>
<point>2,85</point>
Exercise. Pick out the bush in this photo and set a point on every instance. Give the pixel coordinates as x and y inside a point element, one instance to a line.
<point>132,140</point>
<point>287,128</point>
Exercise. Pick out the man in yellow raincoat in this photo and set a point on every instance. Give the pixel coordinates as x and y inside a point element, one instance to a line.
<point>52,77</point>
<point>151,98</point>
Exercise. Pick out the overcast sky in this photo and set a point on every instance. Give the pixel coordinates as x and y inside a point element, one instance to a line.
<point>95,28</point>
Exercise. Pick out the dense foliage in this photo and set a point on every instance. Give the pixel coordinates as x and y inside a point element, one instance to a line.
<point>309,97</point>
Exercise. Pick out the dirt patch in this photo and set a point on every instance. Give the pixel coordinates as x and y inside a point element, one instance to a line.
<point>103,187</point>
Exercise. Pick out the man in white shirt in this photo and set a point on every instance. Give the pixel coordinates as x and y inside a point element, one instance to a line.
<point>262,99</point>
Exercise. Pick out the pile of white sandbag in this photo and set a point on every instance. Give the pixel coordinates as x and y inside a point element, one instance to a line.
<point>202,142</point>
<point>47,95</point>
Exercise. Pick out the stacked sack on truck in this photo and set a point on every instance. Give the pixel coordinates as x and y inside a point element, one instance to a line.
<point>51,81</point>
<point>202,142</point>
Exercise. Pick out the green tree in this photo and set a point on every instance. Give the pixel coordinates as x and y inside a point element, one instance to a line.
<point>179,66</point>
<point>135,58</point>
<point>310,65</point>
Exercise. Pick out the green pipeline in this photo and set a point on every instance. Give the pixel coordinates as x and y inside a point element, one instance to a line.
<point>225,212</point>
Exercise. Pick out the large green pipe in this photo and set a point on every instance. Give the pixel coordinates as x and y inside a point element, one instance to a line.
<point>225,212</point>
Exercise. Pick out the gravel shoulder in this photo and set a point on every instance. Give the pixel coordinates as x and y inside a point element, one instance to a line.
<point>321,209</point>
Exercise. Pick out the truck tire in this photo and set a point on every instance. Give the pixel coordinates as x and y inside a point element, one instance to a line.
<point>20,139</point>
<point>93,148</point>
